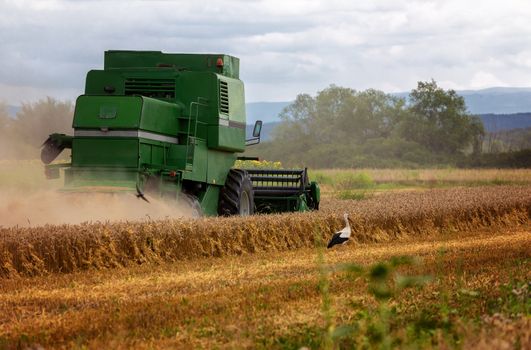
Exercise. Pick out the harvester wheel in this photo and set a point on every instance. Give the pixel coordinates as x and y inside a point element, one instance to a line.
<point>237,197</point>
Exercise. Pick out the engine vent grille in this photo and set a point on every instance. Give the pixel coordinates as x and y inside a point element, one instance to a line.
<point>156,88</point>
<point>223,97</point>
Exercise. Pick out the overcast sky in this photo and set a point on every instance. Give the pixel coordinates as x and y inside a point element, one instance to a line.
<point>286,47</point>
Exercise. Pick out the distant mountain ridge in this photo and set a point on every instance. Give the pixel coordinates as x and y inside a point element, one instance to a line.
<point>498,100</point>
<point>502,122</point>
<point>264,111</point>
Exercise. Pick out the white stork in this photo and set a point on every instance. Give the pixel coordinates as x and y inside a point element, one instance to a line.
<point>341,237</point>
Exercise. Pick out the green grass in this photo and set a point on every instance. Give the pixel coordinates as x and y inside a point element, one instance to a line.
<point>355,195</point>
<point>29,175</point>
<point>444,322</point>
<point>360,184</point>
<point>346,179</point>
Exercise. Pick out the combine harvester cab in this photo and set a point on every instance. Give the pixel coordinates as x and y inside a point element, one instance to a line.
<point>171,126</point>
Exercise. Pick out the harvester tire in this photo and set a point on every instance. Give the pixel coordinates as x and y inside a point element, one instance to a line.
<point>237,196</point>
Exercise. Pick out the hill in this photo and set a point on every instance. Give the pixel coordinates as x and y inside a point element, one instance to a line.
<point>498,100</point>
<point>265,111</point>
<point>501,122</point>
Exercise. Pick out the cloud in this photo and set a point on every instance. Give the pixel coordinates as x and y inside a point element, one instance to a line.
<point>286,47</point>
<point>482,79</point>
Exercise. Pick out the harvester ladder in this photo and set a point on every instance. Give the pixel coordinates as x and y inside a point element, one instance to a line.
<point>201,101</point>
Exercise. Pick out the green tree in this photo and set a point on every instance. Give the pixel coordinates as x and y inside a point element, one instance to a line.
<point>292,138</point>
<point>341,127</point>
<point>347,116</point>
<point>333,119</point>
<point>439,120</point>
<point>328,130</point>
<point>376,114</point>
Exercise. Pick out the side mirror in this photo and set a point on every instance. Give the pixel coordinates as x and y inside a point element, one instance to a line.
<point>256,134</point>
<point>257,128</point>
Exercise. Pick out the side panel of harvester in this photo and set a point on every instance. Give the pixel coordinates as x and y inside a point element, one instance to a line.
<point>185,135</point>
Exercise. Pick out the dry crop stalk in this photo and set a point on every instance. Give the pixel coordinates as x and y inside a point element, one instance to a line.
<point>69,248</point>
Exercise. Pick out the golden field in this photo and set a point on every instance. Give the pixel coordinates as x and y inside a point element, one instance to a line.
<point>462,278</point>
<point>273,300</point>
<point>71,248</point>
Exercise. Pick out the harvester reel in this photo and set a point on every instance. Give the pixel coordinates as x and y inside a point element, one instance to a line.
<point>237,196</point>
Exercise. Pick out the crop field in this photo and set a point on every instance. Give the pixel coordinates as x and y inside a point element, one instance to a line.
<point>364,183</point>
<point>70,248</point>
<point>429,265</point>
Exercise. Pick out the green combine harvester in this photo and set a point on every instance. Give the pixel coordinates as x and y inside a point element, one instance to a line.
<point>171,126</point>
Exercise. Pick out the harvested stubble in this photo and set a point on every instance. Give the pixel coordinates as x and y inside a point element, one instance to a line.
<point>70,248</point>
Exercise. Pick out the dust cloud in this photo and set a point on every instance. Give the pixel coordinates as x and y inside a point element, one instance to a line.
<point>22,208</point>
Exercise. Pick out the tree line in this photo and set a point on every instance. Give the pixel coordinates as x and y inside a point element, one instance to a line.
<point>345,128</point>
<point>339,127</point>
<point>22,136</point>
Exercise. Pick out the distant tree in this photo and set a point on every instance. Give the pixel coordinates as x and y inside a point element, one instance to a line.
<point>354,117</point>
<point>296,118</point>
<point>293,136</point>
<point>21,137</point>
<point>35,121</point>
<point>4,116</point>
<point>338,113</point>
<point>439,120</point>
<point>326,130</point>
<point>376,114</point>
<point>333,118</point>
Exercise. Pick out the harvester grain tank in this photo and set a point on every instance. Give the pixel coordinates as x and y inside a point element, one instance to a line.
<point>172,125</point>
